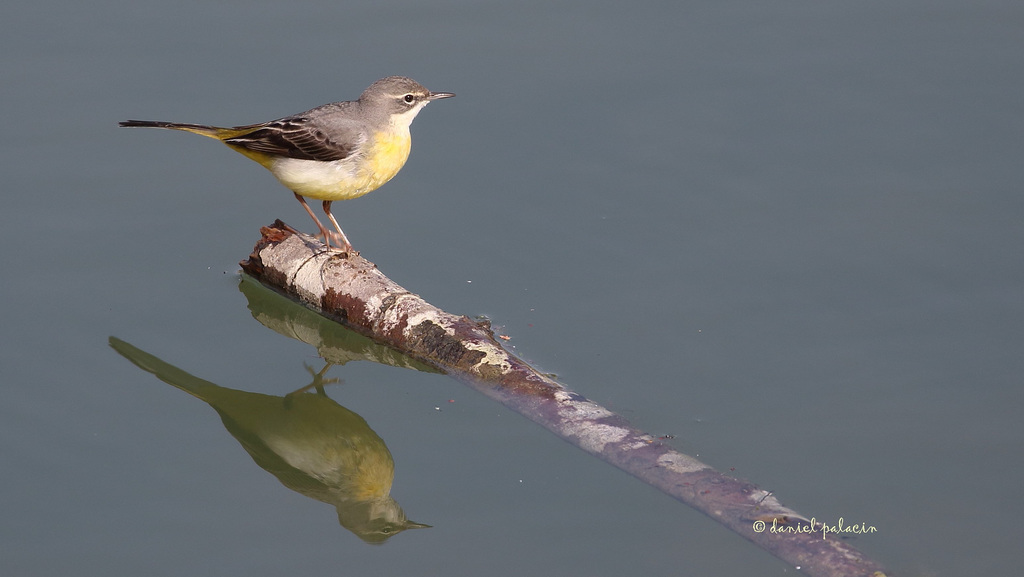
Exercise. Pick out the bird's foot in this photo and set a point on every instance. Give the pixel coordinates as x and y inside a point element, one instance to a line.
<point>338,243</point>
<point>319,382</point>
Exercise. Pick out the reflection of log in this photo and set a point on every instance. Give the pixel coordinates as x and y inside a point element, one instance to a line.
<point>352,291</point>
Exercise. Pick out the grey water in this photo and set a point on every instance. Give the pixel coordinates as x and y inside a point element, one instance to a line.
<point>784,236</point>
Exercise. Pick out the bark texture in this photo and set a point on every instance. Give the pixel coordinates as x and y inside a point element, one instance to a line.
<point>352,291</point>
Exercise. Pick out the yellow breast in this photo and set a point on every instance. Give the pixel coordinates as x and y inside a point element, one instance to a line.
<point>348,178</point>
<point>390,151</point>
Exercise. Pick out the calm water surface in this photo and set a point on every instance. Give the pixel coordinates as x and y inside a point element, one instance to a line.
<point>785,234</point>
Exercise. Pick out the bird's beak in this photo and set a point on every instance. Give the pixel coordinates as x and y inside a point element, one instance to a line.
<point>439,95</point>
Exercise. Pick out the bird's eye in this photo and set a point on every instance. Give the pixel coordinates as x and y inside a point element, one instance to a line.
<point>409,98</point>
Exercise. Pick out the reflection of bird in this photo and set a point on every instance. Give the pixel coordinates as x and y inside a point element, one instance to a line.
<point>310,443</point>
<point>333,152</point>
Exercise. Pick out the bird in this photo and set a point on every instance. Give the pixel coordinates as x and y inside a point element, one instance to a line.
<point>337,151</point>
<point>313,445</point>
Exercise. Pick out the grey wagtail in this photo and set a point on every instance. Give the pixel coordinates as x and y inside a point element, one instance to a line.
<point>333,152</point>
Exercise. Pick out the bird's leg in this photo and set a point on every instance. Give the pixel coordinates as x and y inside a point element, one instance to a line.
<point>318,381</point>
<point>334,221</point>
<point>323,230</point>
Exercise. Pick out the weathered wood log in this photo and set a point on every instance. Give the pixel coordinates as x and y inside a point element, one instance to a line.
<point>352,291</point>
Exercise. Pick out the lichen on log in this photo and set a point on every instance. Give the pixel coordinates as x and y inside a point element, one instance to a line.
<point>351,290</point>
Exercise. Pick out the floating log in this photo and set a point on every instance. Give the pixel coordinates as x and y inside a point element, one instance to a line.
<point>353,291</point>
